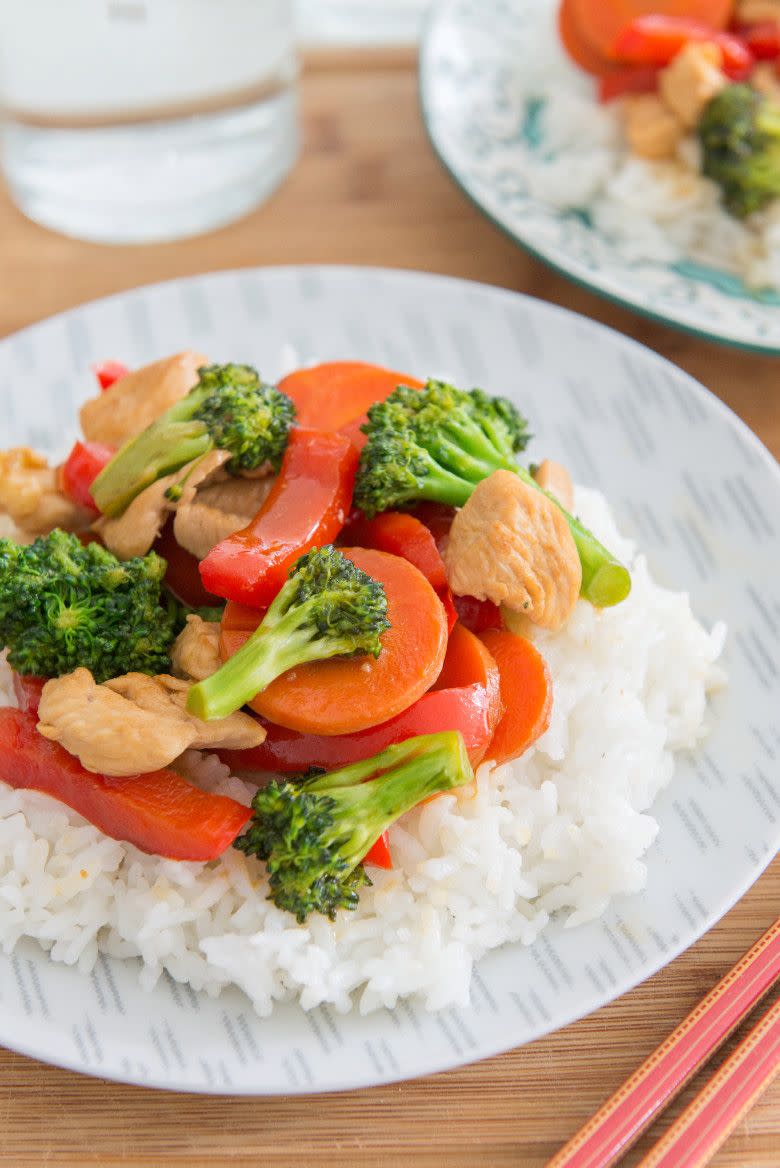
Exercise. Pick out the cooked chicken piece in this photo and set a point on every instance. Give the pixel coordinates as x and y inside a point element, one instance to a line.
<point>512,545</point>
<point>134,532</point>
<point>132,403</point>
<point>133,724</point>
<point>652,130</point>
<point>757,12</point>
<point>554,477</point>
<point>30,496</point>
<point>691,80</point>
<point>107,733</point>
<point>195,652</point>
<point>166,697</point>
<point>212,513</point>
<point>765,80</point>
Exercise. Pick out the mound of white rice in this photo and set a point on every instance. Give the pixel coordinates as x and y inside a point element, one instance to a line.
<point>656,211</point>
<point>562,830</point>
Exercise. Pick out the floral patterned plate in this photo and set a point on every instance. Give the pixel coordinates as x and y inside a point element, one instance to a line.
<point>469,61</point>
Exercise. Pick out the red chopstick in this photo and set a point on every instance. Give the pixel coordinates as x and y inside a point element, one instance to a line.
<point>708,1121</point>
<point>623,1118</point>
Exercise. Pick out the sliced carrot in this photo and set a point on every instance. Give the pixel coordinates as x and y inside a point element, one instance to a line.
<point>468,662</point>
<point>342,696</point>
<point>577,44</point>
<point>600,21</point>
<point>332,395</point>
<point>526,690</point>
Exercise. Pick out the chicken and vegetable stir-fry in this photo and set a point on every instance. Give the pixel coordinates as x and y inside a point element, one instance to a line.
<point>313,578</point>
<point>697,79</point>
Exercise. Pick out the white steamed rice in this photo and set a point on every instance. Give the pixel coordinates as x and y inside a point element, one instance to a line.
<point>561,830</point>
<point>655,211</point>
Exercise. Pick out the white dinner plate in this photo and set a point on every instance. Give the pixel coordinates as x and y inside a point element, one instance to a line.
<point>485,135</point>
<point>689,482</point>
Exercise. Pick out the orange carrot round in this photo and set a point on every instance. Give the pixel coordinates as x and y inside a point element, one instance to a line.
<point>526,691</point>
<point>344,695</point>
<point>467,662</point>
<point>332,395</point>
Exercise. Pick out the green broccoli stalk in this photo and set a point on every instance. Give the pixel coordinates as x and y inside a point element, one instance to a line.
<point>63,605</point>
<point>739,133</point>
<point>439,443</point>
<point>314,834</point>
<point>326,608</point>
<point>230,408</point>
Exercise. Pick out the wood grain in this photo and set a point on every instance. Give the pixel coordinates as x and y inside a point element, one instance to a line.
<point>368,190</point>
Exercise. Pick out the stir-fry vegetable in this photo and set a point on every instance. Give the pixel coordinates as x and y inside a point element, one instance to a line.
<point>230,408</point>
<point>314,834</point>
<point>344,695</point>
<point>107,372</point>
<point>64,605</point>
<point>328,608</point>
<point>306,507</point>
<point>526,692</point>
<point>80,469</point>
<point>159,812</point>
<point>739,132</point>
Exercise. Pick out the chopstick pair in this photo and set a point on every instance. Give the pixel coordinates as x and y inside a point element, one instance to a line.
<point>704,1125</point>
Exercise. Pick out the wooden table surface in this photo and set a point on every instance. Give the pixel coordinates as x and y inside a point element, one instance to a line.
<point>368,190</point>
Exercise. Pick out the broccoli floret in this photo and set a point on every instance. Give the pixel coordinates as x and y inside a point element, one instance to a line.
<point>230,408</point>
<point>314,834</point>
<point>63,605</point>
<point>739,132</point>
<point>436,443</point>
<point>326,608</point>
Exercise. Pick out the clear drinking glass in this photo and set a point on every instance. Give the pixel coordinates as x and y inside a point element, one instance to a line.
<point>128,121</point>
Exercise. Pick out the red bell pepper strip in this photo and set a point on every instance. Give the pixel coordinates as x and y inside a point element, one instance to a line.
<point>404,535</point>
<point>465,708</point>
<point>160,813</point>
<point>81,468</point>
<point>306,507</point>
<point>478,615</point>
<point>27,691</point>
<point>633,79</point>
<point>107,372</point>
<point>379,853</point>
<point>656,40</point>
<point>181,574</point>
<point>763,39</point>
